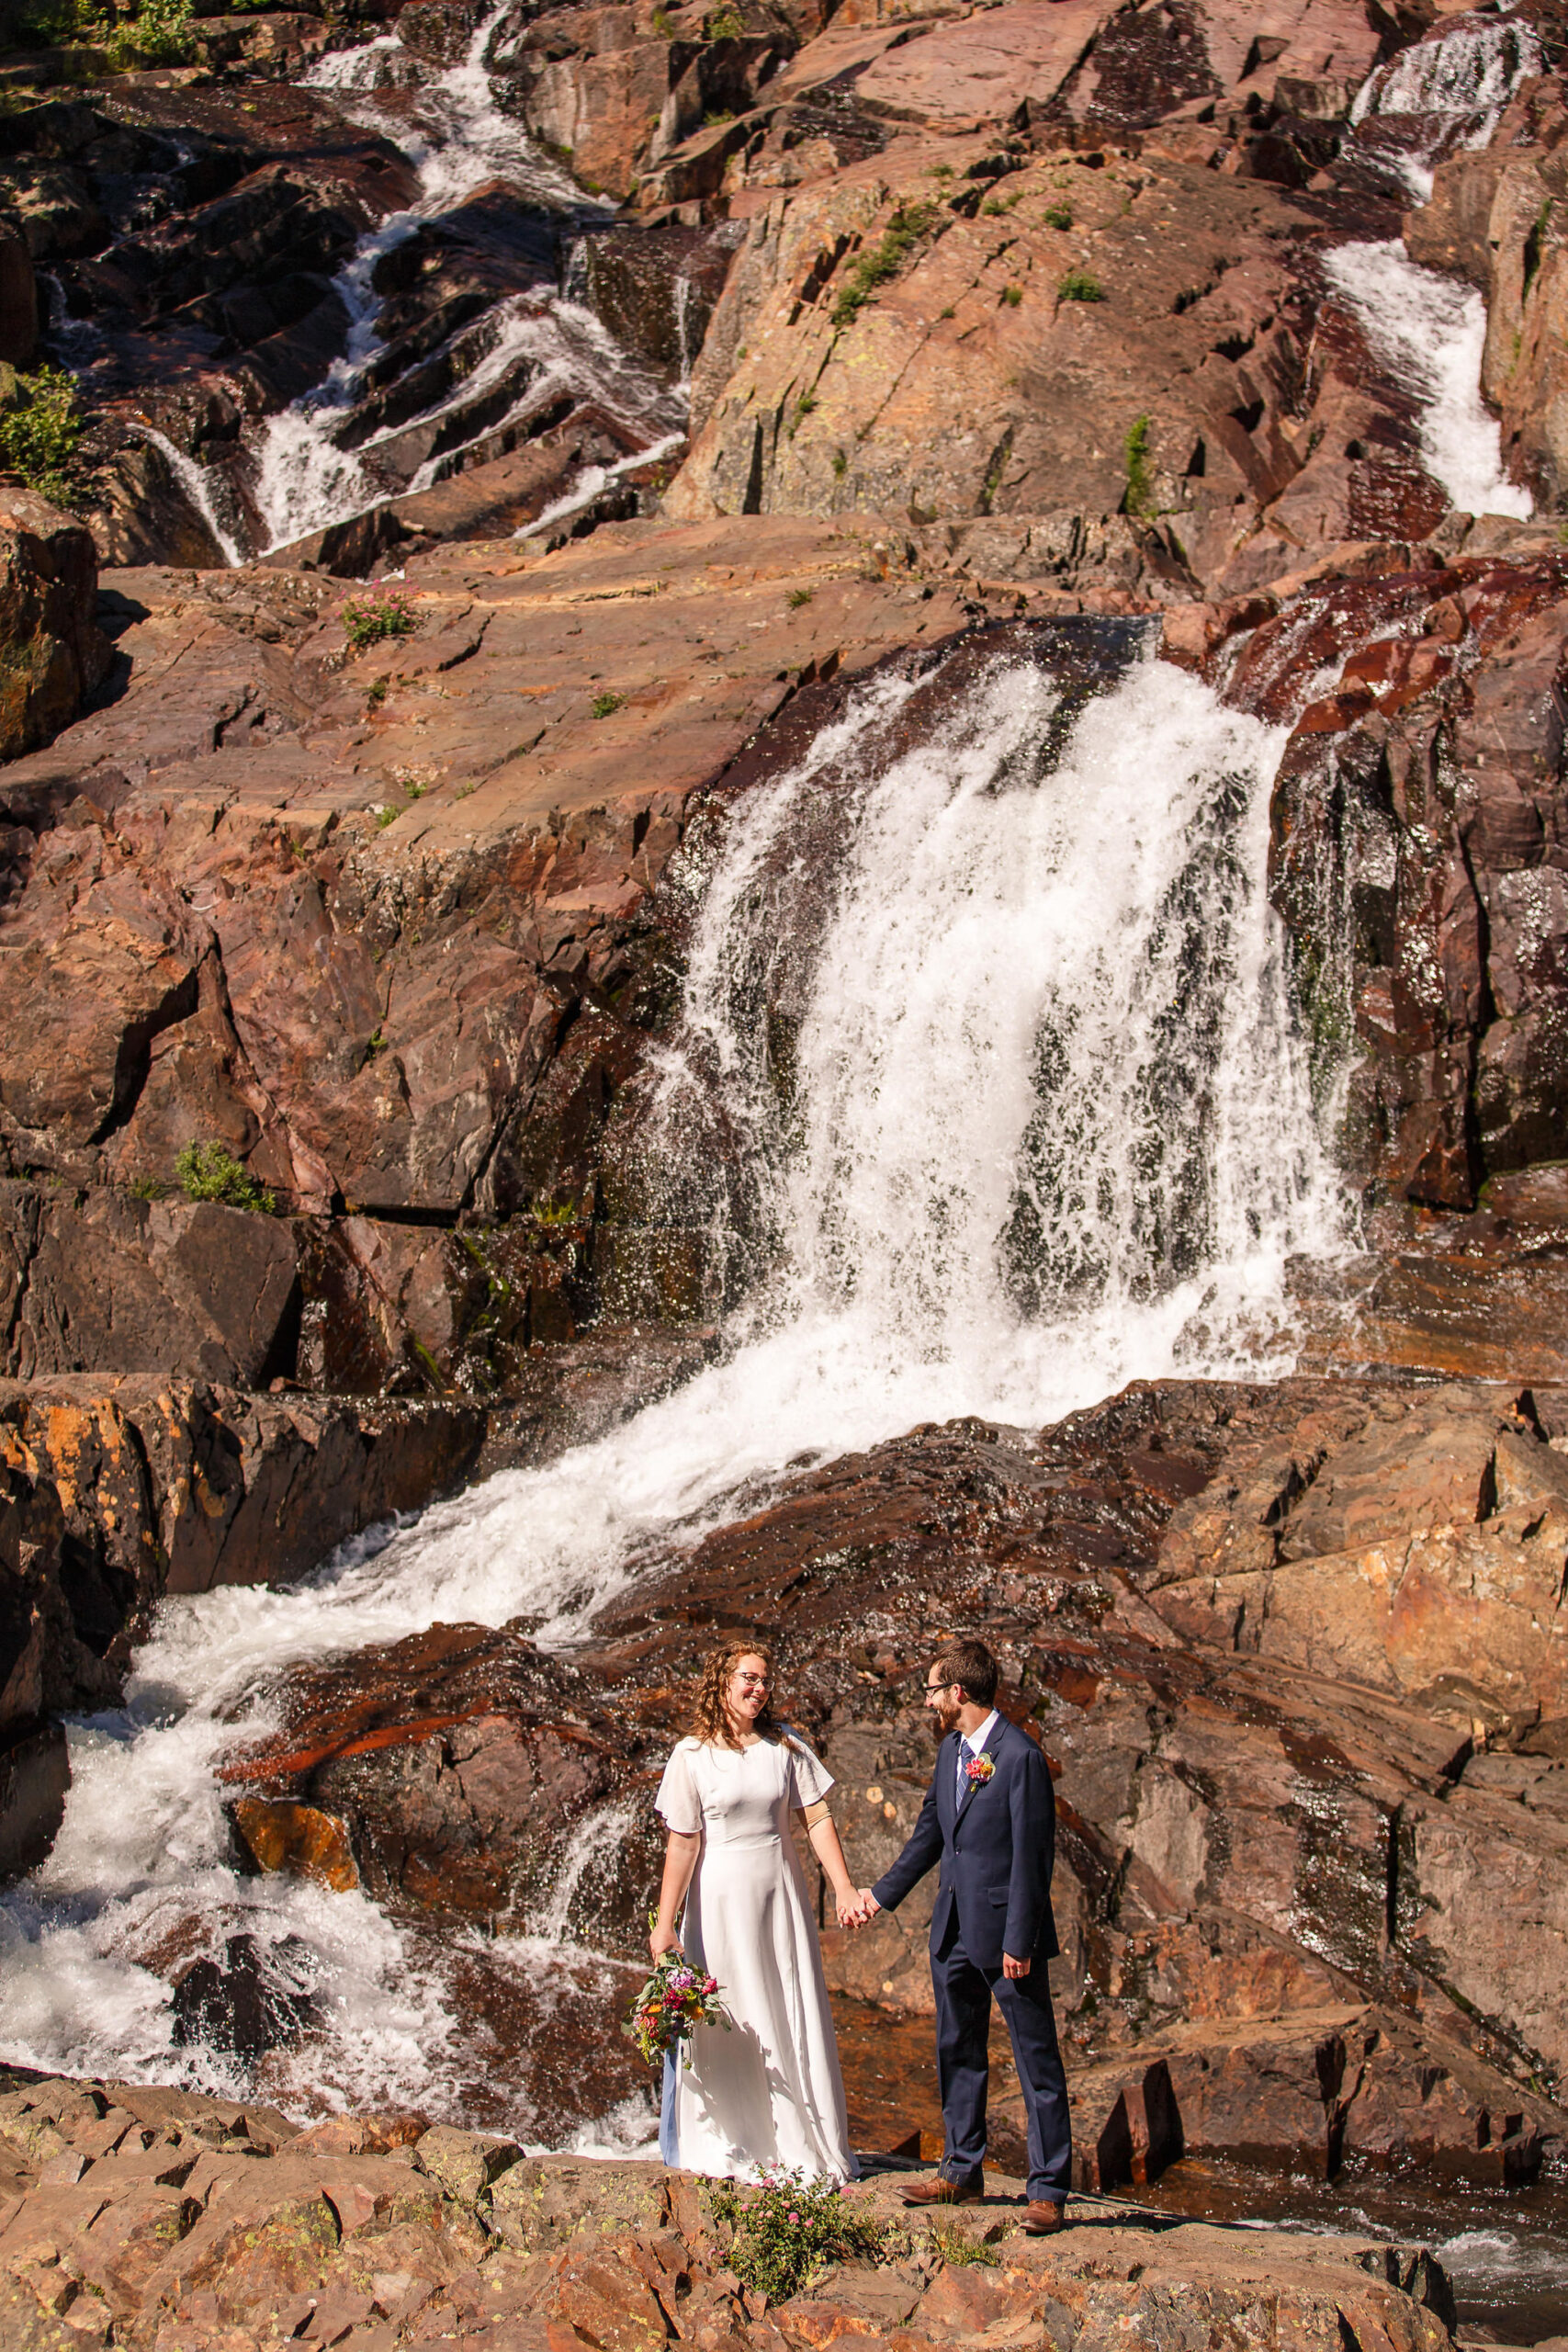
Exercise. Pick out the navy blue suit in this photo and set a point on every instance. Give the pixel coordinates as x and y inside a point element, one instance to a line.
<point>995,1846</point>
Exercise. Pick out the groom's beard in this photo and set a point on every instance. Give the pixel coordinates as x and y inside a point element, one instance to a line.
<point>946,1718</point>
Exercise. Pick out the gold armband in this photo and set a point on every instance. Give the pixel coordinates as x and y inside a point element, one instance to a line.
<point>812,1814</point>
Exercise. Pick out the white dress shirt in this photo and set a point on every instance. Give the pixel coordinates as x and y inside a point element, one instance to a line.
<point>971,1743</point>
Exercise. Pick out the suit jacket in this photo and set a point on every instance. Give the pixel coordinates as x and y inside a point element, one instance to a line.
<point>995,1846</point>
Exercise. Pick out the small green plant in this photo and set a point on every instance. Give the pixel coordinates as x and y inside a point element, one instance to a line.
<point>785,2231</point>
<point>725,23</point>
<point>210,1172</point>
<point>941,171</point>
<point>377,694</point>
<point>146,1188</point>
<point>909,225</point>
<point>1058,216</point>
<point>663,23</point>
<point>606,703</point>
<point>1079,285</point>
<point>1013,295</point>
<point>388,816</point>
<point>1140,499</point>
<point>803,409</point>
<point>958,2249</point>
<point>993,206</point>
<point>716,115</point>
<point>159,34</point>
<point>367,620</point>
<point>39,435</point>
<point>840,465</point>
<point>798,596</point>
<point>949,313</point>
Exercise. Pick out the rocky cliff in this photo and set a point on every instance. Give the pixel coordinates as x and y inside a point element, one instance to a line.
<point>508,451</point>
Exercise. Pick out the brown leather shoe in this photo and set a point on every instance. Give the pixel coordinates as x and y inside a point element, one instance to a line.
<point>941,2192</point>
<point>1044,2217</point>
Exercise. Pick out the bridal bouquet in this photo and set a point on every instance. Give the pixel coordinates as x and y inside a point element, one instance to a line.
<point>676,1998</point>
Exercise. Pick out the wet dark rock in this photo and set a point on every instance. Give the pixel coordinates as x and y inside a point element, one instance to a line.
<point>35,1776</point>
<point>465,1765</point>
<point>1422,799</point>
<point>238,2004</point>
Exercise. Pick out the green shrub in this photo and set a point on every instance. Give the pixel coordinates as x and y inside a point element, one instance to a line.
<point>785,2231</point>
<point>840,465</point>
<point>663,23</point>
<point>1079,286</point>
<point>1058,216</point>
<point>725,23</point>
<point>159,34</point>
<point>909,225</point>
<point>1013,295</point>
<point>366,620</point>
<point>39,436</point>
<point>959,2249</point>
<point>1140,498</point>
<point>798,596</point>
<point>209,1171</point>
<point>603,704</point>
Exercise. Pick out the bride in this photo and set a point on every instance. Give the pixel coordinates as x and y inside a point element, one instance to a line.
<point>770,2092</point>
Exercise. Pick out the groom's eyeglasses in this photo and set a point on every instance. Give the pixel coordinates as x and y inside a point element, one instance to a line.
<point>932,1687</point>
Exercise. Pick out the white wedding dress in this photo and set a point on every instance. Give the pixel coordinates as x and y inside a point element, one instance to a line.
<point>769,2091</point>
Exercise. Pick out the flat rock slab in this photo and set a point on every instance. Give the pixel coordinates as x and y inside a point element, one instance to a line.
<point>192,2225</point>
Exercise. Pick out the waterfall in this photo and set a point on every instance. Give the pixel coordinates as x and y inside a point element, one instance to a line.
<point>307,478</point>
<point>1049,1128</point>
<point>192,479</point>
<point>1430,332</point>
<point>1450,90</point>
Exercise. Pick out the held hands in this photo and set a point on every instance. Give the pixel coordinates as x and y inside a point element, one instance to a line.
<point>856,1908</point>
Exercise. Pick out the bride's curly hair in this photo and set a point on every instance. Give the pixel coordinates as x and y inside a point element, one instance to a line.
<point>709,1720</point>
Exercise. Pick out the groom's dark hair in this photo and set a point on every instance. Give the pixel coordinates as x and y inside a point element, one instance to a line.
<point>971,1667</point>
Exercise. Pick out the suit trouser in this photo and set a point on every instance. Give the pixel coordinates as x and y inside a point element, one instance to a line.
<point>964,1996</point>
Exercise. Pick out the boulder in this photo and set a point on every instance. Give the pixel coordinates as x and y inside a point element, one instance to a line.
<point>107,1283</point>
<point>53,652</point>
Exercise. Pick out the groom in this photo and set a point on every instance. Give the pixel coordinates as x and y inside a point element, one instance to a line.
<point>990,1819</point>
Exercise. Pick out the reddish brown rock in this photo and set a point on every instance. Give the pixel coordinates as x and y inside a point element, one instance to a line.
<point>53,652</point>
<point>464,2240</point>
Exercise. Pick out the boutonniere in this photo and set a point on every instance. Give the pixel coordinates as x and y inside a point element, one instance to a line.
<point>981,1767</point>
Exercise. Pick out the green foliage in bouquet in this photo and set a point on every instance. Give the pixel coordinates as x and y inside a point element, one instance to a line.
<point>785,2232</point>
<point>679,1996</point>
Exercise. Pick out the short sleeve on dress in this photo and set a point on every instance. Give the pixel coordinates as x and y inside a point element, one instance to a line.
<point>678,1801</point>
<point>810,1776</point>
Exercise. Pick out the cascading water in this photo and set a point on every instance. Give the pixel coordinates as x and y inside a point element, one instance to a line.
<point>1430,332</point>
<point>1450,90</point>
<point>307,474</point>
<point>1049,1128</point>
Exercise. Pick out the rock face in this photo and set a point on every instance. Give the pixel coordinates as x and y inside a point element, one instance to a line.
<point>136,2215</point>
<point>50,647</point>
<point>116,1492</point>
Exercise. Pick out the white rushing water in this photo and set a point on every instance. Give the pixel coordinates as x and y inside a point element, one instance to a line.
<point>1050,1129</point>
<point>1452,89</point>
<point>461,140</point>
<point>192,479</point>
<point>1430,331</point>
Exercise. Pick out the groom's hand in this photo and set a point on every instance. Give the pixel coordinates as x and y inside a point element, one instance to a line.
<point>866,1907</point>
<point>1011,1967</point>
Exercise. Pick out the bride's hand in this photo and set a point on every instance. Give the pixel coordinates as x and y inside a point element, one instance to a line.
<point>663,1940</point>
